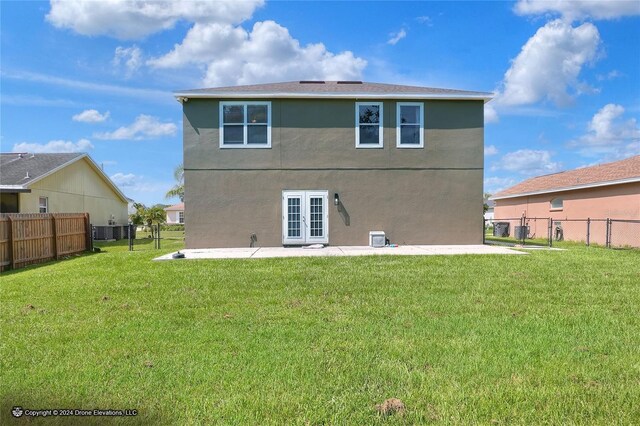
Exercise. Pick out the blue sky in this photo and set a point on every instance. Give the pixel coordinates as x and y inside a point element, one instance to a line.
<point>97,77</point>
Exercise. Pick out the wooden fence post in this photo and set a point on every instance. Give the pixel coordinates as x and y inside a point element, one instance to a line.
<point>55,236</point>
<point>10,242</point>
<point>88,241</point>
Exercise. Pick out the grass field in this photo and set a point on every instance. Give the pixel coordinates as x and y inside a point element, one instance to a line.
<point>552,337</point>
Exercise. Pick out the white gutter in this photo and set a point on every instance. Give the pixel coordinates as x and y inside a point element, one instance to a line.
<point>13,188</point>
<point>185,96</point>
<point>568,188</point>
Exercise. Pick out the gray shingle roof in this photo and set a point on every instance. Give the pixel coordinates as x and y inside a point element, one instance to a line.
<point>15,167</point>
<point>333,88</point>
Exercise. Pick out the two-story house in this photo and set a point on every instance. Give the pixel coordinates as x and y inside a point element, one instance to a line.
<point>330,161</point>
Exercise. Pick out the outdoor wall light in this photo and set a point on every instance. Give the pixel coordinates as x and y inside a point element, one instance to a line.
<point>336,199</point>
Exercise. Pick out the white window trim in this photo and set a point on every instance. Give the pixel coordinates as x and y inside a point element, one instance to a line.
<point>553,209</point>
<point>398,124</point>
<point>245,144</point>
<point>180,213</point>
<point>380,126</point>
<point>46,204</point>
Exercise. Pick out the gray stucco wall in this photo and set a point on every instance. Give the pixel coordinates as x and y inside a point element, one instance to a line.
<point>417,196</point>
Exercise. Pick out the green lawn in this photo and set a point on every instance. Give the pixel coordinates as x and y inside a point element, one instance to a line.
<point>552,337</point>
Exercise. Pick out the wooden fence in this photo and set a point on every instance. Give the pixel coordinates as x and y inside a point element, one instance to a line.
<point>28,238</point>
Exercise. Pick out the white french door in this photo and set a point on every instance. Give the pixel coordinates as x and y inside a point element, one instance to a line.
<point>305,217</point>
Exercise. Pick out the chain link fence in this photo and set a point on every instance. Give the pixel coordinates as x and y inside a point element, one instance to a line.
<point>610,233</point>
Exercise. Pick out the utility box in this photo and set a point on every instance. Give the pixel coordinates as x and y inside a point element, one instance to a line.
<point>521,232</point>
<point>377,239</point>
<point>501,229</point>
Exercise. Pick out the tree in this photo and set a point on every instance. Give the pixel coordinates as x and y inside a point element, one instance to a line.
<point>148,216</point>
<point>486,205</point>
<point>137,218</point>
<point>178,189</point>
<point>155,215</point>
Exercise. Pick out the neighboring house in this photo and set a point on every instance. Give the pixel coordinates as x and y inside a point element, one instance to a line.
<point>328,162</point>
<point>604,191</point>
<point>489,214</point>
<point>59,183</point>
<point>175,214</point>
<point>130,208</point>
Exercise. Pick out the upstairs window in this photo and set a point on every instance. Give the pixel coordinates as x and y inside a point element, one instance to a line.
<point>557,203</point>
<point>43,205</point>
<point>245,124</point>
<point>369,125</point>
<point>410,127</point>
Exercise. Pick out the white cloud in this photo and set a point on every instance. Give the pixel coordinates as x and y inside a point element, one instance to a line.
<point>528,162</point>
<point>490,150</point>
<point>57,146</point>
<point>550,63</point>
<point>144,127</point>
<point>91,116</point>
<point>610,134</point>
<point>490,114</point>
<point>579,9</point>
<point>141,94</point>
<point>396,37</point>
<point>426,20</point>
<point>229,53</point>
<point>267,53</point>
<point>39,101</point>
<point>495,184</point>
<point>127,19</point>
<point>607,126</point>
<point>128,57</point>
<point>611,75</point>
<point>125,180</point>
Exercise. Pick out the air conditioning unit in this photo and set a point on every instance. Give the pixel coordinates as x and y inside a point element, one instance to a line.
<point>377,239</point>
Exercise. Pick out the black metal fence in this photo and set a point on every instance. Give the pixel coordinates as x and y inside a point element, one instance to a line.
<point>610,233</point>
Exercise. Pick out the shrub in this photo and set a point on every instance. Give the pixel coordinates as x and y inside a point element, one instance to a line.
<point>173,227</point>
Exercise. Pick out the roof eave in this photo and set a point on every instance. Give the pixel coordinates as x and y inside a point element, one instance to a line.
<point>180,96</point>
<point>13,189</point>
<point>567,188</point>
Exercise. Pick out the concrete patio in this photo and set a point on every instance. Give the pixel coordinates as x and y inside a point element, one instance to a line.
<point>269,252</point>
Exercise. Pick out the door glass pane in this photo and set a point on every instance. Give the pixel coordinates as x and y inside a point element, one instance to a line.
<point>369,135</point>
<point>369,114</point>
<point>233,135</point>
<point>410,114</point>
<point>293,217</point>
<point>410,135</point>
<point>257,134</point>
<point>315,217</point>
<point>233,114</point>
<point>257,113</point>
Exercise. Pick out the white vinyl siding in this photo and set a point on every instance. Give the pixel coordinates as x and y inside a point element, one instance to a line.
<point>245,124</point>
<point>410,125</point>
<point>369,128</point>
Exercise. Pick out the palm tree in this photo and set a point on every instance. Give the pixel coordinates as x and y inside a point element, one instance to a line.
<point>178,188</point>
<point>148,216</point>
<point>154,215</point>
<point>137,218</point>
